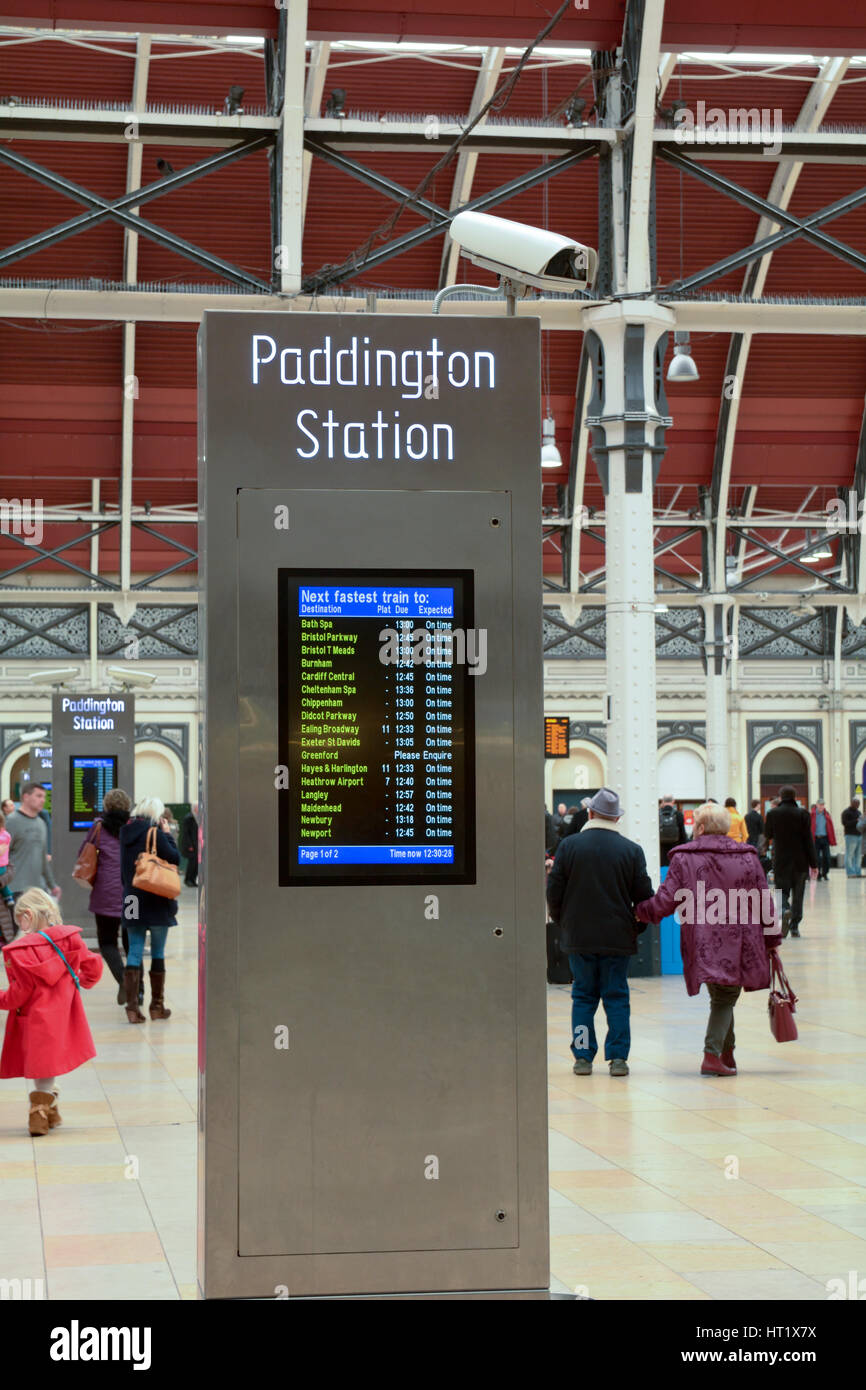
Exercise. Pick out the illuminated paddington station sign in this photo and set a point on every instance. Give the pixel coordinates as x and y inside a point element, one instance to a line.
<point>419,373</point>
<point>92,714</point>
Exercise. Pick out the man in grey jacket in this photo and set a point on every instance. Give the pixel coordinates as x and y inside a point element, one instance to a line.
<point>28,849</point>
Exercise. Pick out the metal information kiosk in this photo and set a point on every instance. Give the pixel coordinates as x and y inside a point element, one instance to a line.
<point>372,987</point>
<point>93,750</point>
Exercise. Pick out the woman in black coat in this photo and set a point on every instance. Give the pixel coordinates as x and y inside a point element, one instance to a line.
<point>146,912</point>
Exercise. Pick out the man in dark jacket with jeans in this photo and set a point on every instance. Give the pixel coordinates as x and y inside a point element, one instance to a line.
<point>788,828</point>
<point>597,878</point>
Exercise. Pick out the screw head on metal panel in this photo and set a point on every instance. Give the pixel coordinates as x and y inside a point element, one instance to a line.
<point>494,521</point>
<point>497,931</point>
<point>500,1215</point>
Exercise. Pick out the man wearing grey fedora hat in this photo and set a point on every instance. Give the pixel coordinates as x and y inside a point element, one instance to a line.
<point>596,881</point>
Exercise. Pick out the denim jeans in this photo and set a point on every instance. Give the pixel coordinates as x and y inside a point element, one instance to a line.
<point>135,953</point>
<point>852,856</point>
<point>599,978</point>
<point>822,850</point>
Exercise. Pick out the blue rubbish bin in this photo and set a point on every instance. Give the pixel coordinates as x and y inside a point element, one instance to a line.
<point>669,928</point>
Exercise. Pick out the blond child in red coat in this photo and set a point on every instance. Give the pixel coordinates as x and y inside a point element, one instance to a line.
<point>47,1033</point>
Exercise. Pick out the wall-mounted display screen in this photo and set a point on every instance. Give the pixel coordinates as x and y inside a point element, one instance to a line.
<point>89,780</point>
<point>377,726</point>
<point>556,735</point>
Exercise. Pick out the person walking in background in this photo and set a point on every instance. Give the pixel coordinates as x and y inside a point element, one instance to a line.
<point>672,828</point>
<point>5,842</point>
<point>146,912</point>
<point>576,819</point>
<point>824,835</point>
<point>47,1034</point>
<point>727,925</point>
<point>850,818</point>
<point>754,824</point>
<point>189,846</point>
<point>7,921</point>
<point>548,831</point>
<point>738,829</point>
<point>7,806</point>
<point>861,826</point>
<point>788,830</point>
<point>597,878</point>
<point>28,847</point>
<point>106,895</point>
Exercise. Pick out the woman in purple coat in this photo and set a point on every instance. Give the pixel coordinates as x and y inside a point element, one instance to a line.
<point>106,898</point>
<point>728,926</point>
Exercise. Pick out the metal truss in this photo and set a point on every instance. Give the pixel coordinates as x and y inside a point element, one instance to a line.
<point>793,227</point>
<point>556,538</point>
<point>118,211</point>
<point>828,145</point>
<point>156,630</point>
<point>768,557</point>
<point>143,521</point>
<point>22,628</point>
<point>791,628</point>
<point>670,529</point>
<point>589,627</point>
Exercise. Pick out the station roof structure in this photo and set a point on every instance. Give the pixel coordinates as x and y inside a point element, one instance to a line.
<point>769,435</point>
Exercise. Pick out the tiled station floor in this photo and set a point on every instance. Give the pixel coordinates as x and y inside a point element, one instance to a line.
<point>664,1184</point>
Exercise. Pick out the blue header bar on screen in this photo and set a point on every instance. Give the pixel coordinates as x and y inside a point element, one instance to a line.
<point>408,602</point>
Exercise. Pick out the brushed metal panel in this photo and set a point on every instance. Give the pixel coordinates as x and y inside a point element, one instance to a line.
<point>402,1029</point>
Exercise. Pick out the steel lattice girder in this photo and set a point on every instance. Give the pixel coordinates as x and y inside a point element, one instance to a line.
<point>782,560</point>
<point>794,226</point>
<point>28,629</point>
<point>111,525</point>
<point>336,275</point>
<point>773,632</point>
<point>156,630</point>
<point>116,209</point>
<point>55,554</point>
<point>379,182</point>
<point>549,531</point>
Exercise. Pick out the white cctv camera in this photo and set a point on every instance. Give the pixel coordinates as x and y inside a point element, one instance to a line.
<point>127,678</point>
<point>528,255</point>
<point>59,675</point>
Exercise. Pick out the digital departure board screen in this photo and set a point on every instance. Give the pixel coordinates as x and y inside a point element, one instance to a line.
<point>556,735</point>
<point>89,780</point>
<point>377,726</point>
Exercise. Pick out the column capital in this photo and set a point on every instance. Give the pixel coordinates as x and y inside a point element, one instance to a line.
<point>608,319</point>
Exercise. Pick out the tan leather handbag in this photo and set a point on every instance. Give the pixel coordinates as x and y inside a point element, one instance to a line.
<point>155,875</point>
<point>88,860</point>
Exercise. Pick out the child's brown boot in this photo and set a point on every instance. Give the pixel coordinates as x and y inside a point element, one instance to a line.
<point>40,1108</point>
<point>54,1116</point>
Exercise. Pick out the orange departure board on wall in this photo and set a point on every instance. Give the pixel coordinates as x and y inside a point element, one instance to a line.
<point>556,736</point>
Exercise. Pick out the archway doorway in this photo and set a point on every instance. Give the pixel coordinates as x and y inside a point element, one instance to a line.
<point>781,767</point>
<point>682,775</point>
<point>16,775</point>
<point>157,775</point>
<point>573,778</point>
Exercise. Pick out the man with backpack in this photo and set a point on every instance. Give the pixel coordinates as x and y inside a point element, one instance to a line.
<point>672,828</point>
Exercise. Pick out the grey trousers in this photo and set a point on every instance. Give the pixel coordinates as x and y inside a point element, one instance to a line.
<point>720,1028</point>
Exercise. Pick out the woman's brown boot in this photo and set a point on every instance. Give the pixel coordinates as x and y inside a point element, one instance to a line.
<point>157,995</point>
<point>131,978</point>
<point>40,1111</point>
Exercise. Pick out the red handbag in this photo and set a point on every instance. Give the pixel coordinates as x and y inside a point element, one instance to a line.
<point>782,1004</point>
